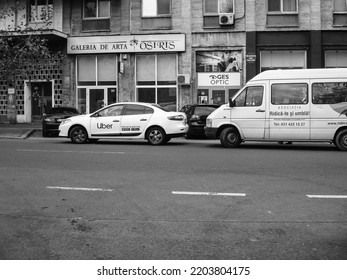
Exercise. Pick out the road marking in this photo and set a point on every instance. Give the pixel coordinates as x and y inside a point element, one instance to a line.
<point>60,151</point>
<point>326,196</point>
<point>80,189</point>
<point>209,193</point>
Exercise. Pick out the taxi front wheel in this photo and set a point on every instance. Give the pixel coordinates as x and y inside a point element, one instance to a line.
<point>156,136</point>
<point>78,135</point>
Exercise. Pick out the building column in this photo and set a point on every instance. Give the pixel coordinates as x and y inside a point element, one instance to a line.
<point>316,50</point>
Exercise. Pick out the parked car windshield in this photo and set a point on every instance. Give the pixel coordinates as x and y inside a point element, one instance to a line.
<point>62,110</point>
<point>205,110</point>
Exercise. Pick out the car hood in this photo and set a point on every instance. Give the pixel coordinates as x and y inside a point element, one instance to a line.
<point>61,116</point>
<point>77,117</point>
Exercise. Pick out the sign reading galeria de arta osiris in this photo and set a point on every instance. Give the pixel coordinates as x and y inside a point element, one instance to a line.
<point>126,44</point>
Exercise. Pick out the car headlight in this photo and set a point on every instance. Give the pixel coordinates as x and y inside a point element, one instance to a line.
<point>65,121</point>
<point>209,122</point>
<point>176,118</point>
<point>48,120</point>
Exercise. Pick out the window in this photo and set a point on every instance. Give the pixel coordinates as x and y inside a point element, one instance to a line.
<point>154,8</point>
<point>329,93</point>
<point>335,58</point>
<point>218,7</point>
<point>219,61</point>
<point>282,60</point>
<point>111,111</point>
<point>156,79</point>
<point>132,109</point>
<point>250,96</point>
<point>96,8</point>
<point>282,94</point>
<point>283,6</point>
<point>340,6</point>
<point>40,10</point>
<point>97,70</point>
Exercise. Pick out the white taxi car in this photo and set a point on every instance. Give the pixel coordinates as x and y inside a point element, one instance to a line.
<point>128,120</point>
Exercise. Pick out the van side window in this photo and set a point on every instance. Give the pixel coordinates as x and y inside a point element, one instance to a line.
<point>329,93</point>
<point>289,94</point>
<point>250,96</point>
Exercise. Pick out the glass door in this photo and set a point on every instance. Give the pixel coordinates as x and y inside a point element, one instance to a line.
<point>91,99</point>
<point>96,99</point>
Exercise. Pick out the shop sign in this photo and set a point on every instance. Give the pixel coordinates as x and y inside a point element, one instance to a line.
<point>126,44</point>
<point>222,79</point>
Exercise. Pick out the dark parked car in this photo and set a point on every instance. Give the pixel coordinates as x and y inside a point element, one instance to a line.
<point>196,118</point>
<point>53,118</point>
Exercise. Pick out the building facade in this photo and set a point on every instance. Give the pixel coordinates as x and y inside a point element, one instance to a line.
<point>174,52</point>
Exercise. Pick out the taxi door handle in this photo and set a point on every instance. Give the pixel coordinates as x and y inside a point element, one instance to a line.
<point>143,120</point>
<point>116,121</point>
<point>260,110</point>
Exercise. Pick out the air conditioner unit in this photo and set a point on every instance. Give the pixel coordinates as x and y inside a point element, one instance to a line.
<point>226,19</point>
<point>183,79</point>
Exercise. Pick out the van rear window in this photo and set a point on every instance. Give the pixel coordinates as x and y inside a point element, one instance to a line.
<point>289,94</point>
<point>329,93</point>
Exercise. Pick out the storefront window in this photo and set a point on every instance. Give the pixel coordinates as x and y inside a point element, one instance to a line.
<point>97,70</point>
<point>335,58</point>
<point>218,61</point>
<point>96,81</point>
<point>156,79</point>
<point>86,70</point>
<point>282,60</point>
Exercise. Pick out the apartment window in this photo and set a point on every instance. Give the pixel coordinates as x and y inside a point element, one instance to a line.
<point>340,6</point>
<point>96,8</point>
<point>340,13</point>
<point>154,8</point>
<point>219,6</point>
<point>283,6</point>
<point>40,10</point>
<point>282,13</point>
<point>156,79</point>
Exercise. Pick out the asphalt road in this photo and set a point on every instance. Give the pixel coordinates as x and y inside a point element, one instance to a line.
<point>185,200</point>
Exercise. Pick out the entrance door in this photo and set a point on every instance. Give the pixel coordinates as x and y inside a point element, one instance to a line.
<point>96,99</point>
<point>41,99</point>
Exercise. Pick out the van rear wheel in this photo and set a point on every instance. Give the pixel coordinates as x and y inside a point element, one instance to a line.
<point>230,137</point>
<point>341,140</point>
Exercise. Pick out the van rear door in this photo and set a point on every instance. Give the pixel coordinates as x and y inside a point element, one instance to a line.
<point>289,114</point>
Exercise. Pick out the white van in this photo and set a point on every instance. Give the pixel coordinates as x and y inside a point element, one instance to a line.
<point>285,106</point>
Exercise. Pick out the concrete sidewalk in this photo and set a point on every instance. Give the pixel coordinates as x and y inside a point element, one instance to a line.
<point>19,130</point>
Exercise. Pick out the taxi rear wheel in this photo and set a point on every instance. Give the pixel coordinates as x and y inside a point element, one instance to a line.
<point>156,136</point>
<point>78,135</point>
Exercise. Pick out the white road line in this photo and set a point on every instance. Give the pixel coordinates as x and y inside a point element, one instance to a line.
<point>209,193</point>
<point>80,189</point>
<point>60,151</point>
<point>326,196</point>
